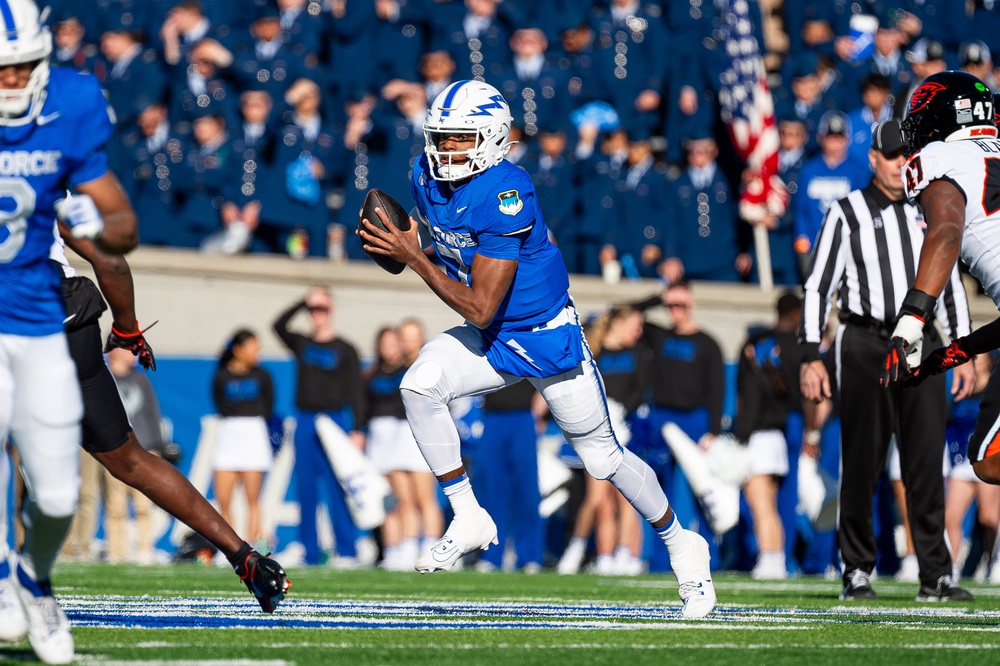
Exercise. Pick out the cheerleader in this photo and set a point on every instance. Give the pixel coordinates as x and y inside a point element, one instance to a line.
<point>244,399</point>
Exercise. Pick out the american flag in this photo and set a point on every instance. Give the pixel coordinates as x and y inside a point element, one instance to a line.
<point>748,110</point>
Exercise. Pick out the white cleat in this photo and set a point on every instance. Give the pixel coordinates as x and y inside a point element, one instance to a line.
<point>464,535</point>
<point>691,566</point>
<point>48,627</point>
<point>13,623</point>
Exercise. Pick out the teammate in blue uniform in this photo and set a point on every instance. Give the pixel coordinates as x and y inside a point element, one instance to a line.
<point>53,126</point>
<point>509,282</point>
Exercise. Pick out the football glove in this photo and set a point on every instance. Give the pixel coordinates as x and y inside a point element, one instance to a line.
<point>80,212</point>
<point>135,343</point>
<point>264,578</point>
<point>908,336</point>
<point>938,361</point>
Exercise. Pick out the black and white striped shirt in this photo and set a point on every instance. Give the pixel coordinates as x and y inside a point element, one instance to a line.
<point>867,253</point>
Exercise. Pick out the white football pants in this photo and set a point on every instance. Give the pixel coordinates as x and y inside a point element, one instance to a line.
<point>41,408</point>
<point>452,365</point>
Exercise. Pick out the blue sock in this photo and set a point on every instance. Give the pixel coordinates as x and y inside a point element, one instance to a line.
<point>4,569</point>
<point>38,588</point>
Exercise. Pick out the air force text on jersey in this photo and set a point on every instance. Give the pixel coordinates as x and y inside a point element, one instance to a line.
<point>29,162</point>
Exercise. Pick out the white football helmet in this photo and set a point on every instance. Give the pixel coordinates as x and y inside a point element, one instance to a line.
<point>467,107</point>
<point>24,37</point>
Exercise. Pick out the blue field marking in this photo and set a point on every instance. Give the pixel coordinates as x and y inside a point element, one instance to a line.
<point>159,612</point>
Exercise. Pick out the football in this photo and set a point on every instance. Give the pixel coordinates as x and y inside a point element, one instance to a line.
<point>397,215</point>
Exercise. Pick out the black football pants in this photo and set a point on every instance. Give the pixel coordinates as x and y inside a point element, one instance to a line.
<point>870,415</point>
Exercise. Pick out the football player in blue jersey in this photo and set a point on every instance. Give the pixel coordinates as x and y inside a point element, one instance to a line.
<point>53,125</point>
<point>510,284</point>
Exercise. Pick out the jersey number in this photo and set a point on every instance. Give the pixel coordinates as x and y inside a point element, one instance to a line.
<point>14,216</point>
<point>991,187</point>
<point>914,174</point>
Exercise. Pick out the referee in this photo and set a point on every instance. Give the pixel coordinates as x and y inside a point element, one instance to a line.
<point>866,254</point>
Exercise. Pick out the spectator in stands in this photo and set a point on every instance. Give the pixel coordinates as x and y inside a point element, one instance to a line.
<point>143,411</point>
<point>555,174</point>
<point>202,181</point>
<point>307,161</point>
<point>254,145</point>
<point>945,21</point>
<point>687,379</point>
<point>70,49</point>
<point>974,57</point>
<point>400,24</point>
<point>197,84</point>
<point>328,382</point>
<point>812,26</point>
<point>791,157</point>
<point>630,62</point>
<point>265,60</point>
<point>184,26</point>
<point>302,27</point>
<point>133,79</point>
<point>926,57</point>
<point>244,398</point>
<point>505,470</point>
<point>537,88</point>
<point>876,107</point>
<point>436,70</point>
<point>807,103</point>
<point>829,176</point>
<point>151,160</point>
<point>600,170</point>
<point>700,232</point>
<point>396,141</point>
<point>642,212</point>
<point>394,452</point>
<point>474,36</point>
<point>886,58</point>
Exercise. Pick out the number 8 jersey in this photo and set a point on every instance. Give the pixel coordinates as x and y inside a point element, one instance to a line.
<point>973,166</point>
<point>62,148</point>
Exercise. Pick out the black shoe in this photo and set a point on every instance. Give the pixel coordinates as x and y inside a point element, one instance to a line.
<point>857,585</point>
<point>945,590</point>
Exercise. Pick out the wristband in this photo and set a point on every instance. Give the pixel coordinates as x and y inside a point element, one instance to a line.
<point>127,335</point>
<point>813,437</point>
<point>918,304</point>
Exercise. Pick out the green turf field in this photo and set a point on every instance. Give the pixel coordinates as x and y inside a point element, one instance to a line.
<point>199,615</point>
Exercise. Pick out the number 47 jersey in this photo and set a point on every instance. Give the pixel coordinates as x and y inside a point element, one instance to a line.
<point>973,166</point>
<point>62,148</point>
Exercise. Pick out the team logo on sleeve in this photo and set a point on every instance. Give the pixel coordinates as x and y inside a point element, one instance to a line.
<point>510,202</point>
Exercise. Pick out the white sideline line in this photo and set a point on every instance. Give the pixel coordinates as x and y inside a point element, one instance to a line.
<point>522,646</point>
<point>95,659</point>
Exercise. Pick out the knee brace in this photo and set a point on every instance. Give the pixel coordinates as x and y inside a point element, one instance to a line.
<point>427,378</point>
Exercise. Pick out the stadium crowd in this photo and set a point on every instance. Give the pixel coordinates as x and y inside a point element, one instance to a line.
<point>259,126</point>
<point>615,103</point>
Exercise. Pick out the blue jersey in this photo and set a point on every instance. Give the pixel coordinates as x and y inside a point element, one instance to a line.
<point>496,214</point>
<point>63,148</point>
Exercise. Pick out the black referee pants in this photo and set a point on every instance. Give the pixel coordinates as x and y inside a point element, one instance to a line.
<point>870,415</point>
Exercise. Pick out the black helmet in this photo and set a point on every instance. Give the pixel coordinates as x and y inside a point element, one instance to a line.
<point>943,104</point>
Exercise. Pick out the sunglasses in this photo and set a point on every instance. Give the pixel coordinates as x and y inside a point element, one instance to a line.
<point>315,309</point>
<point>682,306</point>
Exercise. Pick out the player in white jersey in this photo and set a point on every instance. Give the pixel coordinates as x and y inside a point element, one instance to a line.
<point>53,125</point>
<point>953,171</point>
